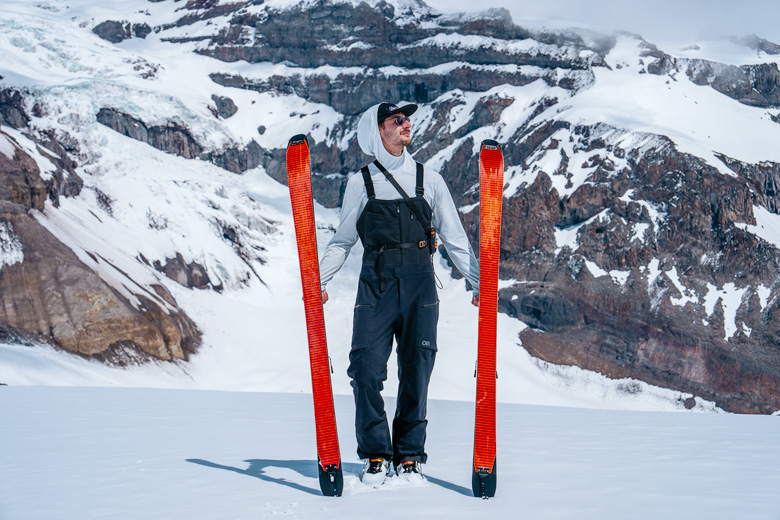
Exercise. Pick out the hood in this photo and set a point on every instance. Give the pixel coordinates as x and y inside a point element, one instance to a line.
<point>371,142</point>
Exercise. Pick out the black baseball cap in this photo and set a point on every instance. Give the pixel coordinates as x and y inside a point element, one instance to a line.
<point>387,110</point>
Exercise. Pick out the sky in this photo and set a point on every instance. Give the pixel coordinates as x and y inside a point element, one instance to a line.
<point>658,21</point>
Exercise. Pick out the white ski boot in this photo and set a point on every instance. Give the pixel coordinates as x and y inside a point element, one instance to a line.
<point>411,471</point>
<point>375,471</point>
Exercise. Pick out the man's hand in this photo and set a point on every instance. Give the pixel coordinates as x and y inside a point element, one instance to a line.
<point>475,300</point>
<point>324,297</point>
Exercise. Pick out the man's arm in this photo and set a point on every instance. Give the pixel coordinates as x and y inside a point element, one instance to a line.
<point>346,236</point>
<point>447,223</point>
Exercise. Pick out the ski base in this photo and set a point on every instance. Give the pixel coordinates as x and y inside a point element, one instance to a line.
<point>483,482</point>
<point>331,480</point>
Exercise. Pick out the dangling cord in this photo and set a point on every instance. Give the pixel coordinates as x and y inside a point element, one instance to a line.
<point>436,276</point>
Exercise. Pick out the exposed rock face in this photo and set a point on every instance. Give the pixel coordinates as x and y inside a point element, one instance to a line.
<point>48,294</point>
<point>382,42</point>
<point>225,106</point>
<point>21,182</point>
<point>55,297</point>
<point>192,275</point>
<point>352,93</point>
<point>176,139</point>
<point>755,85</point>
<point>652,324</point>
<point>12,111</point>
<point>759,44</point>
<point>172,138</point>
<point>371,40</point>
<point>116,32</point>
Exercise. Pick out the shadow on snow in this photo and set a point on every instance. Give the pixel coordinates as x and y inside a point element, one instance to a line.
<point>257,469</point>
<point>308,469</point>
<point>449,485</point>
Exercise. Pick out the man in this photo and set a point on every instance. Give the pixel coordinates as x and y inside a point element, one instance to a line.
<point>397,288</point>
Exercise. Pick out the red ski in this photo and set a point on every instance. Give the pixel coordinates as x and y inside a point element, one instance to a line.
<point>299,181</point>
<point>491,189</point>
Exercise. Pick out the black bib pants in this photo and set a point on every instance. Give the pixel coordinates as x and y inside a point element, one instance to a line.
<point>396,298</point>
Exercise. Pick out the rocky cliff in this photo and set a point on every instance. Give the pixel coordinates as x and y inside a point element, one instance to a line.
<point>48,293</point>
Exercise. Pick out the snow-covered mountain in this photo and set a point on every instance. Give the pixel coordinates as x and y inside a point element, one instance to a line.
<point>143,213</point>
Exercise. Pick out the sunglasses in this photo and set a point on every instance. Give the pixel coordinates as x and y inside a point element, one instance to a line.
<point>400,120</point>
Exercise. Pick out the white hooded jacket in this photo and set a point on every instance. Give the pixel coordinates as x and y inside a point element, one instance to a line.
<point>403,168</point>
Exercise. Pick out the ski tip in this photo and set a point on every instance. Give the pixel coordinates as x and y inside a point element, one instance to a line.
<point>331,480</point>
<point>297,139</point>
<point>490,144</point>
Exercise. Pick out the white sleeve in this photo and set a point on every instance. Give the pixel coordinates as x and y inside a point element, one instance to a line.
<point>450,230</point>
<point>346,236</point>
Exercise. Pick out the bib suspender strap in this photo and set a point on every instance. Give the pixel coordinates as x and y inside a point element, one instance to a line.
<point>419,190</point>
<point>368,182</point>
<point>392,181</point>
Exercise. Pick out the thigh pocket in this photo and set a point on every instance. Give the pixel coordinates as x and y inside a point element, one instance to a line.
<point>427,318</point>
<point>362,326</point>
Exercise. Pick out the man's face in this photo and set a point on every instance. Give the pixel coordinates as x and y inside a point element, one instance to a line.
<point>395,136</point>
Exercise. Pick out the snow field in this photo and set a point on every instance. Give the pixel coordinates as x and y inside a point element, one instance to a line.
<point>76,453</point>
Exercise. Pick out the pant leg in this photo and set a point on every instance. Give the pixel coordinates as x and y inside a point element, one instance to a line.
<point>373,329</point>
<point>416,356</point>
